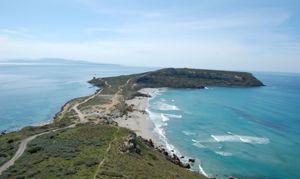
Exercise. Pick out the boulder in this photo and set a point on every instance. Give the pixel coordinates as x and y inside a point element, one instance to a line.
<point>191,160</point>
<point>129,145</point>
<point>186,165</point>
<point>151,143</point>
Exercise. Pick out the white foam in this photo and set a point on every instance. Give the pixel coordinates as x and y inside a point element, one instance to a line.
<point>165,107</point>
<point>159,124</point>
<point>164,118</point>
<point>240,138</point>
<point>173,116</point>
<point>202,171</point>
<point>198,144</point>
<point>153,93</point>
<point>195,140</point>
<point>225,154</point>
<point>188,133</point>
<point>160,121</point>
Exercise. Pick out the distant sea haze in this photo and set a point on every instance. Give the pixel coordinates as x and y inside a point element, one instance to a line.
<point>241,132</point>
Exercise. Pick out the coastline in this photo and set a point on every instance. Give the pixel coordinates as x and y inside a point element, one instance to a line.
<point>137,119</point>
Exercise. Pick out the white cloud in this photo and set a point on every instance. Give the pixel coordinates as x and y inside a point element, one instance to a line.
<point>20,32</point>
<point>159,37</point>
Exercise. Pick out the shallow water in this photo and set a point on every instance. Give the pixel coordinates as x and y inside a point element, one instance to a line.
<point>241,132</point>
<point>34,93</point>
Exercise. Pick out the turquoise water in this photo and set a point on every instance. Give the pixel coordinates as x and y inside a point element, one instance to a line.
<point>241,132</point>
<point>33,93</point>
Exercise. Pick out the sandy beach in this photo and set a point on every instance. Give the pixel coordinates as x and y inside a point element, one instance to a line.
<point>138,120</point>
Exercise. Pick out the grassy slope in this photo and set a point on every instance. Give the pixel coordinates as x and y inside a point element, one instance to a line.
<point>9,143</point>
<point>77,152</point>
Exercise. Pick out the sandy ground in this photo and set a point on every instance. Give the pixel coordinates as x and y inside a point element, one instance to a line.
<point>138,120</point>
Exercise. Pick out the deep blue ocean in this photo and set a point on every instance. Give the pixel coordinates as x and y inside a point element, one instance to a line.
<point>240,132</point>
<point>32,93</point>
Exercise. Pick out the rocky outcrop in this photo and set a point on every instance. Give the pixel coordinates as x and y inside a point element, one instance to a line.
<point>130,145</point>
<point>138,94</point>
<point>191,160</point>
<point>169,156</point>
<point>173,158</point>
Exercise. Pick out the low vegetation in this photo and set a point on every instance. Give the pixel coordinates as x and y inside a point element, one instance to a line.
<point>9,143</point>
<point>77,153</point>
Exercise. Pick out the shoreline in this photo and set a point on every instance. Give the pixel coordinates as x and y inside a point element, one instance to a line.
<point>138,120</point>
<point>56,115</point>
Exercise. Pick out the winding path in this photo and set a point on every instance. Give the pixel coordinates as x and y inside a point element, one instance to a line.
<point>22,148</point>
<point>79,113</point>
<point>24,142</point>
<point>106,152</point>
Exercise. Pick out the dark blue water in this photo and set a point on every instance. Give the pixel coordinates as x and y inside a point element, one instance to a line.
<point>241,132</point>
<point>34,93</point>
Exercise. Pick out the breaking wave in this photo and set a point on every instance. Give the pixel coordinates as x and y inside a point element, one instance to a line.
<point>188,133</point>
<point>159,122</point>
<point>225,154</point>
<point>165,107</point>
<point>198,144</point>
<point>240,138</point>
<point>173,116</point>
<point>201,170</point>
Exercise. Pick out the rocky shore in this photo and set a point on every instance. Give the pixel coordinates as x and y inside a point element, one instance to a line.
<point>138,120</point>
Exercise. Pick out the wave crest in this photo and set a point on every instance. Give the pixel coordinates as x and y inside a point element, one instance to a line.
<point>240,138</point>
<point>166,107</point>
<point>225,154</point>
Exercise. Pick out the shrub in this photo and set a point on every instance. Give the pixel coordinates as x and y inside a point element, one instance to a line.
<point>91,162</point>
<point>35,149</point>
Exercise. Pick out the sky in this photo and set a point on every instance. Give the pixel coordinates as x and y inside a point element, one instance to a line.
<point>245,35</point>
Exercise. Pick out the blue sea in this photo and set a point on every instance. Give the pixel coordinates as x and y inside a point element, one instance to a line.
<point>32,93</point>
<point>240,132</point>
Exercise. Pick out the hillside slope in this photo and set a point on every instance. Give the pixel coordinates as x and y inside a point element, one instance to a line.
<point>93,151</point>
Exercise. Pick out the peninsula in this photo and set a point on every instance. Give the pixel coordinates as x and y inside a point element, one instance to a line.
<point>106,135</point>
